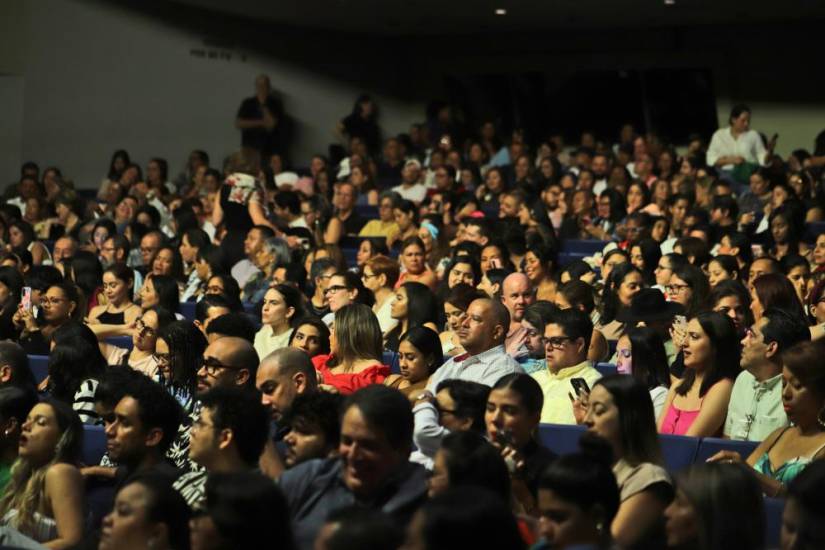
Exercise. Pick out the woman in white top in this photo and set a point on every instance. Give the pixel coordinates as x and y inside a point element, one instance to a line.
<point>737,144</point>
<point>379,275</point>
<point>282,307</point>
<point>641,353</point>
<point>44,497</point>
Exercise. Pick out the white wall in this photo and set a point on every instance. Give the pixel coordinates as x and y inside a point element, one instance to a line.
<point>99,77</point>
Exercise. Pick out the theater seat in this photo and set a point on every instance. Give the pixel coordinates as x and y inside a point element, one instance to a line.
<point>582,247</point>
<point>94,444</point>
<point>679,451</point>
<point>39,365</point>
<point>187,309</point>
<point>560,438</point>
<point>390,358</point>
<point>709,446</point>
<point>606,369</point>
<point>773,520</point>
<point>124,342</point>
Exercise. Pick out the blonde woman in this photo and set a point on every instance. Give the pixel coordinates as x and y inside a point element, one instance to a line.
<point>43,501</point>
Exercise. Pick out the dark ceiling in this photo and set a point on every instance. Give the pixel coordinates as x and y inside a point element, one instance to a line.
<point>445,17</point>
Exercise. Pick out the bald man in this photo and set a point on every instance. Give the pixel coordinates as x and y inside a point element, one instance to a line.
<point>482,335</point>
<point>516,295</point>
<point>227,360</point>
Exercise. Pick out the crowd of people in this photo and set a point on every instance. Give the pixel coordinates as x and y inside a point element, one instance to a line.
<point>359,353</point>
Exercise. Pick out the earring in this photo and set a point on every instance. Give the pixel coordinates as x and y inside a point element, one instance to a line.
<point>820,418</point>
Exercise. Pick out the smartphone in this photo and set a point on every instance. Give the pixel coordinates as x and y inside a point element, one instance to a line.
<point>495,263</point>
<point>580,386</point>
<point>504,438</point>
<point>26,298</point>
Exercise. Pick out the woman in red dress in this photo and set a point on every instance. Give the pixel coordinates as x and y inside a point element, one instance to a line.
<point>356,348</point>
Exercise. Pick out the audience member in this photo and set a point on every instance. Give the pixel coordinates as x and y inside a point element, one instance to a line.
<point>716,506</point>
<point>228,436</point>
<point>756,408</point>
<point>482,334</point>
<point>355,351</point>
<point>566,342</point>
<point>383,478</point>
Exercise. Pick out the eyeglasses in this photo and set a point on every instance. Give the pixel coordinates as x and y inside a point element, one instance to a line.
<point>676,289</point>
<point>442,412</point>
<point>52,301</point>
<point>555,342</point>
<point>213,366</point>
<point>367,276</point>
<point>334,288</point>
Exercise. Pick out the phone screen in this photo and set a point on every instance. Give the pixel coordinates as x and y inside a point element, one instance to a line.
<point>26,298</point>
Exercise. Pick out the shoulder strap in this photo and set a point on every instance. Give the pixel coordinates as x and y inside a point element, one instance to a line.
<point>775,441</point>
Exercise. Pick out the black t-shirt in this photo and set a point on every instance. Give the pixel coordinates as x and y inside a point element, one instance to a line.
<point>388,175</point>
<point>353,224</point>
<point>235,215</point>
<point>261,139</point>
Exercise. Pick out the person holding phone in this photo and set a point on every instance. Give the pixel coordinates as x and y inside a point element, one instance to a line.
<point>566,342</point>
<point>514,408</point>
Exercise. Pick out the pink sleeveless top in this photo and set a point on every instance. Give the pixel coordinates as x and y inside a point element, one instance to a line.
<point>677,421</point>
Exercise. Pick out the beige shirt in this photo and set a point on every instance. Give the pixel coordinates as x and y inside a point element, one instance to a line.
<point>632,480</point>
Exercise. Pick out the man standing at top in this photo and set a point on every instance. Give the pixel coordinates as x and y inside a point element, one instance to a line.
<point>259,120</point>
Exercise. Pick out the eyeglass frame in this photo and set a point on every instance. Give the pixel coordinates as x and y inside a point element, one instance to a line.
<point>212,370</point>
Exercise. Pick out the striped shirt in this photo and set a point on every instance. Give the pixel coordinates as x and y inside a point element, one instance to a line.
<point>84,401</point>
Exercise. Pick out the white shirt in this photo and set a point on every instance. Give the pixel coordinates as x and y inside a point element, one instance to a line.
<point>415,193</point>
<point>243,271</point>
<point>485,368</point>
<point>748,146</point>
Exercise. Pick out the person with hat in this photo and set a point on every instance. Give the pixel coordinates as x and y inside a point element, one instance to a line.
<point>649,308</point>
<point>411,188</point>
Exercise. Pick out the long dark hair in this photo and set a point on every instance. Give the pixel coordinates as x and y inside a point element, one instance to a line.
<point>775,291</point>
<point>427,342</point>
<point>610,295</point>
<point>727,501</point>
<point>422,305</point>
<point>651,252</point>
<point>168,292</point>
<point>75,357</point>
<point>320,326</point>
<point>726,353</point>
<point>186,345</point>
<point>698,283</point>
<point>649,359</point>
<point>637,421</point>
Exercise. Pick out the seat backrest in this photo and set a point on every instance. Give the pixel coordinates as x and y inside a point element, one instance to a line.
<point>606,369</point>
<point>124,342</point>
<point>774,507</point>
<point>39,365</point>
<point>187,309</point>
<point>679,451</point>
<point>390,358</point>
<point>709,446</point>
<point>560,438</point>
<point>94,444</point>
